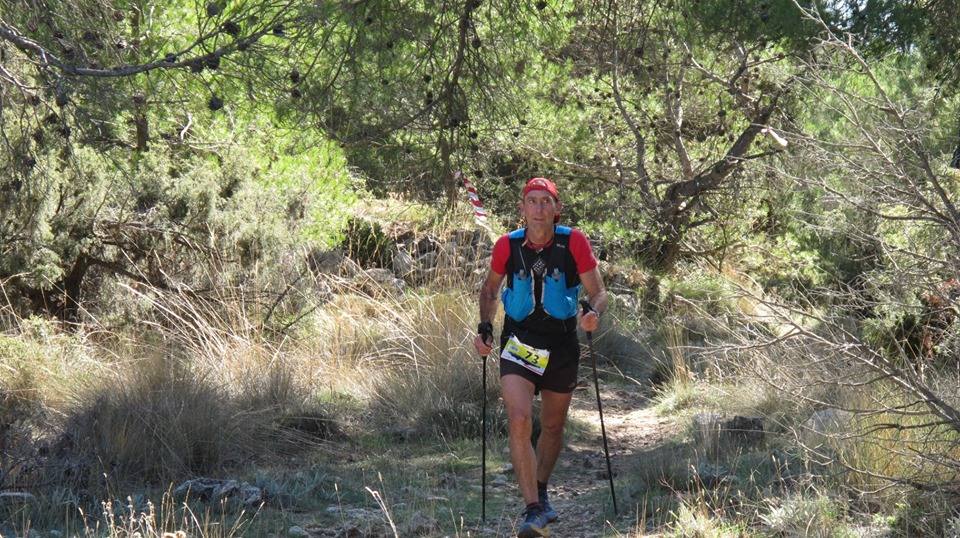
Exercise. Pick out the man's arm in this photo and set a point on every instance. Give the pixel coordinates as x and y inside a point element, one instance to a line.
<point>489,292</point>
<point>489,295</point>
<point>593,284</point>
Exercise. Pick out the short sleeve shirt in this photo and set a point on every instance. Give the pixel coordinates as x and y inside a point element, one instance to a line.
<point>579,248</point>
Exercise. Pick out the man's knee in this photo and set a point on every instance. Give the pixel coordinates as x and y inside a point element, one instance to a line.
<point>519,417</point>
<point>552,428</point>
<point>520,420</point>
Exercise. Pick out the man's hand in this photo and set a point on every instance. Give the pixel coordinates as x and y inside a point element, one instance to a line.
<point>484,340</point>
<point>589,318</point>
<point>590,321</point>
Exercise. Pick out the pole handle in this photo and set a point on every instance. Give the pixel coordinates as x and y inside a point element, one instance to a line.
<point>586,310</point>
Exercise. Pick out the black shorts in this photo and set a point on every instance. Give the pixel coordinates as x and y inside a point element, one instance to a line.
<point>561,372</point>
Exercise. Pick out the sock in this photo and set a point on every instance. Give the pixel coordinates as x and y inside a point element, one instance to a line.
<point>541,488</point>
<point>533,506</point>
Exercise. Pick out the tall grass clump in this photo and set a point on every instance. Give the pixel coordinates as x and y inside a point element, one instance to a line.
<point>170,520</point>
<point>694,519</point>
<point>806,515</point>
<point>192,393</point>
<point>430,376</point>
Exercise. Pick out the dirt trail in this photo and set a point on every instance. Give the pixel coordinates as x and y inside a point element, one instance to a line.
<point>579,488</point>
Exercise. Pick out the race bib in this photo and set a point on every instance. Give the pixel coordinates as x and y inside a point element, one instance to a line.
<point>529,357</point>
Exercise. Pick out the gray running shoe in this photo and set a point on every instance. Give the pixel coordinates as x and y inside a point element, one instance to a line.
<point>534,524</point>
<point>548,509</point>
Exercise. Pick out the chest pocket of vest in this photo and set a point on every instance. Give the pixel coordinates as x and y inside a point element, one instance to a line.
<point>558,300</point>
<point>518,302</point>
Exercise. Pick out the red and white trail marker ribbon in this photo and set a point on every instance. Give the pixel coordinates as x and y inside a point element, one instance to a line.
<point>479,213</point>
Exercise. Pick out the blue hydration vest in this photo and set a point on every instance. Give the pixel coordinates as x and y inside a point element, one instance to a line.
<point>560,286</point>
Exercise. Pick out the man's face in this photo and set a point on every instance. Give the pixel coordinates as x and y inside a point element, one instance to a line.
<point>539,208</point>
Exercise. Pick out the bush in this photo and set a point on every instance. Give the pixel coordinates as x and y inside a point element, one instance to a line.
<point>800,515</point>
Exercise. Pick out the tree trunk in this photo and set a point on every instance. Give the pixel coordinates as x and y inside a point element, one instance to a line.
<point>62,301</point>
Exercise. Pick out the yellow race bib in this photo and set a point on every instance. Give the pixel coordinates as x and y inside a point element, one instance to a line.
<point>529,357</point>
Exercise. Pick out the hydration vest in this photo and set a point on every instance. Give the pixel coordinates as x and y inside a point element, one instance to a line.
<point>560,286</point>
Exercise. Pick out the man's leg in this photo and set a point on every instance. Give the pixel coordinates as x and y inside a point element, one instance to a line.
<point>518,399</point>
<point>553,416</point>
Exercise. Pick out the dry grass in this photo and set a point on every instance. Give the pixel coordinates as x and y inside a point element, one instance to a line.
<point>200,389</point>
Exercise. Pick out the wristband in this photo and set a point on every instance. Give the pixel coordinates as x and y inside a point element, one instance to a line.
<point>485,329</point>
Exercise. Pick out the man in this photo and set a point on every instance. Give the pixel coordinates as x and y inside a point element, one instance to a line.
<point>544,265</point>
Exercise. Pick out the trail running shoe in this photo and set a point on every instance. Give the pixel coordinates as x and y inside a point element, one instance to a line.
<point>547,509</point>
<point>534,524</point>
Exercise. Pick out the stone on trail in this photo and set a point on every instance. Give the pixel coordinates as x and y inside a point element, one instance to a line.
<point>297,532</point>
<point>216,490</point>
<point>403,263</point>
<point>742,431</point>
<point>715,435</point>
<point>418,525</point>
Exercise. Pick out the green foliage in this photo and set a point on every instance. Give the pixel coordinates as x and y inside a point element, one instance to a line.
<point>152,215</point>
<point>366,243</point>
<point>756,20</point>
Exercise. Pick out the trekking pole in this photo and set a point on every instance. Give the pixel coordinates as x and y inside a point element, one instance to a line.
<point>483,460</point>
<point>603,430</point>
<point>486,332</point>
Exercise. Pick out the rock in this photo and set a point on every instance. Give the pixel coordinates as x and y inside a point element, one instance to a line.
<point>332,262</point>
<point>507,468</point>
<point>250,496</point>
<point>742,432</point>
<point>427,244</point>
<point>328,261</point>
<point>418,525</point>
<point>712,475</point>
<point>297,532</point>
<point>714,434</point>
<point>55,534</point>
<point>362,514</point>
<point>403,264</point>
<point>428,260</point>
<point>378,280</point>
<point>215,490</point>
<point>380,276</point>
<point>499,480</point>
